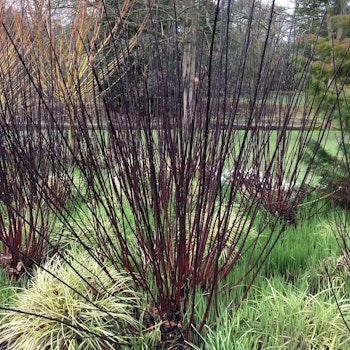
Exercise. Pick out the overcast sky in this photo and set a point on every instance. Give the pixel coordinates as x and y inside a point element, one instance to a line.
<point>286,3</point>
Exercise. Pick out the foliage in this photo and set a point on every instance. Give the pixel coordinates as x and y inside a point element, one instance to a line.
<point>7,288</point>
<point>329,91</point>
<point>26,218</point>
<point>152,162</point>
<point>288,296</point>
<point>74,304</point>
<point>277,197</point>
<point>326,18</point>
<point>312,322</point>
<point>314,316</point>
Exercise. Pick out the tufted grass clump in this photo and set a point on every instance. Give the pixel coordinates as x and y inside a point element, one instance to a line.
<point>313,322</point>
<point>74,303</point>
<point>281,317</point>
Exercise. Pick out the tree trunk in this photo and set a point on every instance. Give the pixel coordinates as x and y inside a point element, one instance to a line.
<point>340,27</point>
<point>189,60</point>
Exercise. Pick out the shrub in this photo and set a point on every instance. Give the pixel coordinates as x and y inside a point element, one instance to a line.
<point>183,88</point>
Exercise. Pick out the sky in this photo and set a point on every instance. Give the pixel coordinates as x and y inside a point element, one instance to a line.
<point>286,3</point>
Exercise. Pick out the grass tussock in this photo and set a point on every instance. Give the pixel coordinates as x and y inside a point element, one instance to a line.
<point>74,304</point>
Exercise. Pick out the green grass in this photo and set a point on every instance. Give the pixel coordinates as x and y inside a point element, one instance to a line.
<point>291,304</point>
<point>7,288</point>
<point>292,280</point>
<point>279,316</point>
<point>291,295</point>
<point>54,315</point>
<point>330,143</point>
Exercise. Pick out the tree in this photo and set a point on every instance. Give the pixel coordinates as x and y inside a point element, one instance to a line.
<point>310,16</point>
<point>330,90</point>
